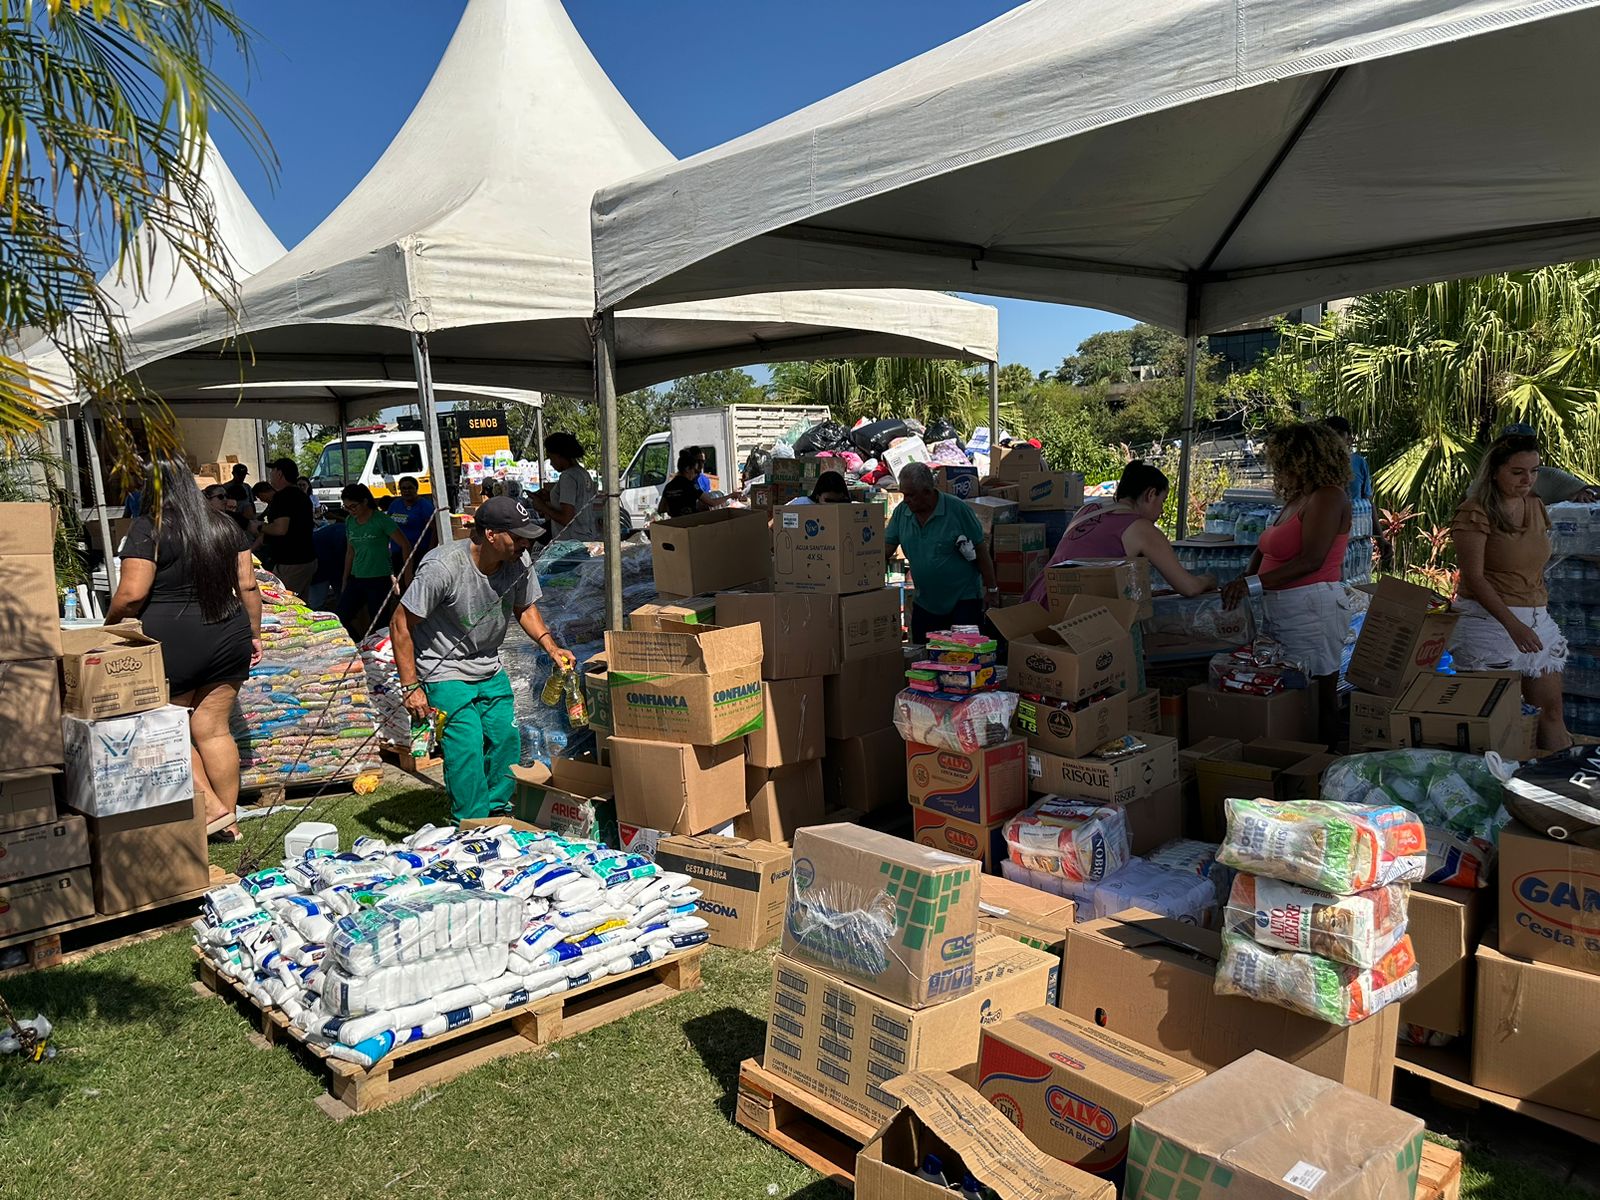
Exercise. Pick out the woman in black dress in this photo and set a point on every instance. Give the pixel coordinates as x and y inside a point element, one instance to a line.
<point>187,576</point>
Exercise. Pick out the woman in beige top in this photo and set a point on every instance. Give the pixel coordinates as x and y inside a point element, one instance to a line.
<point>1502,539</point>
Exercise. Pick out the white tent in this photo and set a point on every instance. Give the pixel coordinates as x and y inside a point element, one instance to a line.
<point>465,251</point>
<point>1188,162</point>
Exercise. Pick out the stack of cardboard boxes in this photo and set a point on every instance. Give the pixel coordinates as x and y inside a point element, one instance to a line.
<point>1044,498</point>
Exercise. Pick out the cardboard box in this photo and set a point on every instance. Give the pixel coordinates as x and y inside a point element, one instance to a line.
<point>695,684</point>
<point>845,871</point>
<point>993,486</point>
<point>1267,769</point>
<point>30,614</point>
<point>1369,721</point>
<point>865,772</point>
<point>145,857</point>
<point>572,796</point>
<point>1227,748</point>
<point>1144,711</point>
<point>984,844</point>
<point>1107,578</point>
<point>677,788</point>
<point>27,798</point>
<point>940,1110</point>
<point>596,676</point>
<point>30,696</point>
<point>981,788</point>
<point>1535,1036</point>
<point>1287,716</point>
<point>46,900</point>
<point>1056,727</point>
<point>43,849</point>
<point>709,551</point>
<point>829,548</point>
<point>1155,818</point>
<point>1470,711</point>
<point>743,885</point>
<point>1151,979</point>
<point>1034,918</point>
<point>1262,1128</point>
<point>1549,895</point>
<point>1444,924</point>
<point>869,625</point>
<point>1011,463</point>
<point>792,726</point>
<point>1015,571</point>
<point>1405,631</point>
<point>781,801</point>
<point>692,610</point>
<point>1072,1088</point>
<point>993,512</point>
<point>842,1042</point>
<point>798,630</point>
<point>1114,780</point>
<point>112,672</point>
<point>1049,491</point>
<point>1084,650</point>
<point>1022,538</point>
<point>860,698</point>
<point>960,482</point>
<point>124,764</point>
<point>119,530</point>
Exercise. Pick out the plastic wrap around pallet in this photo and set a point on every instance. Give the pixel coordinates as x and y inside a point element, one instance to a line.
<point>394,943</point>
<point>965,724</point>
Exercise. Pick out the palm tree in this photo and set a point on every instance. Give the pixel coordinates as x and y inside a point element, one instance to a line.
<point>105,110</point>
<point>879,388</point>
<point>1429,375</point>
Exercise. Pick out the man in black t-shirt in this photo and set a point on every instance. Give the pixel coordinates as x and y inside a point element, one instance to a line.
<point>244,501</point>
<point>288,529</point>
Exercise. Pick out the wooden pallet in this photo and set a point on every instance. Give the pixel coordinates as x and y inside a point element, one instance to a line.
<point>401,759</point>
<point>1449,1077</point>
<point>826,1138</point>
<point>805,1127</point>
<point>277,795</point>
<point>354,1089</point>
<point>73,941</point>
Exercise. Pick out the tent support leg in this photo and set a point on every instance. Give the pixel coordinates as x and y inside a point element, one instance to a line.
<point>97,480</point>
<point>1186,451</point>
<point>994,405</point>
<point>430,428</point>
<point>538,436</point>
<point>605,387</point>
<point>344,446</point>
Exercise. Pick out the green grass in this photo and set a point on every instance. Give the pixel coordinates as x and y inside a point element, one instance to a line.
<point>156,1091</point>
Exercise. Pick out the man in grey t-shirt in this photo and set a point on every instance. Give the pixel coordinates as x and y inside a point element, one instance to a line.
<point>446,636</point>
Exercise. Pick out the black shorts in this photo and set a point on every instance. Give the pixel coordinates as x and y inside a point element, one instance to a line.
<point>196,654</point>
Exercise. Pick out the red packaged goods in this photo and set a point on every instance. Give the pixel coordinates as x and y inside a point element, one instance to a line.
<point>1070,840</point>
<point>1359,930</point>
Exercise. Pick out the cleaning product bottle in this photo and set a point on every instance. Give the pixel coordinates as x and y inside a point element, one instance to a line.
<point>933,1171</point>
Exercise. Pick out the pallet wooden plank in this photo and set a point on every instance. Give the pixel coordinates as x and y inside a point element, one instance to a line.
<point>1448,1071</point>
<point>1440,1175</point>
<point>803,1126</point>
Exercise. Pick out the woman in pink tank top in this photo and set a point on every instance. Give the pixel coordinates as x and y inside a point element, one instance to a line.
<point>1125,528</point>
<point>1298,567</point>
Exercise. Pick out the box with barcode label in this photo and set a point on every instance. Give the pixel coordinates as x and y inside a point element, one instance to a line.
<point>125,764</point>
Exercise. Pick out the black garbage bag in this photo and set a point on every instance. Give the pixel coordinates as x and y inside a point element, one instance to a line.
<point>942,431</point>
<point>758,464</point>
<point>873,438</point>
<point>829,435</point>
<point>1559,795</point>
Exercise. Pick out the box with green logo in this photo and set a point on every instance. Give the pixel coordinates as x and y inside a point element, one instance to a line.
<point>897,918</point>
<point>696,685</point>
<point>1263,1130</point>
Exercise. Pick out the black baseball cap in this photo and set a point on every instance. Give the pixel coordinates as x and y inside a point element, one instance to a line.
<point>506,514</point>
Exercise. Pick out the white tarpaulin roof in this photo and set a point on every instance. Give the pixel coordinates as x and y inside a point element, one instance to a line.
<point>474,227</point>
<point>1214,159</point>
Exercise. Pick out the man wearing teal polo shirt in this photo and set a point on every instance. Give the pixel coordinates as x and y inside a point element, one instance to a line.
<point>944,544</point>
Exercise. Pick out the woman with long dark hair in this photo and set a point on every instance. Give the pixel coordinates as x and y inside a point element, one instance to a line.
<point>187,576</point>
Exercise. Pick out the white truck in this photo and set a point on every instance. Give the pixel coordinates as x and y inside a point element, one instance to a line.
<point>727,435</point>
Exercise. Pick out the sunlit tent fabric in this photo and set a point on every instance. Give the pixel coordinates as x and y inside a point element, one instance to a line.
<point>1194,163</point>
<point>473,229</point>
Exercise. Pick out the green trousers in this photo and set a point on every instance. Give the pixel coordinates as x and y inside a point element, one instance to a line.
<point>479,744</point>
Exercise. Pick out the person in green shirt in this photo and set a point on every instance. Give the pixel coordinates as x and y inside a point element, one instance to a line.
<point>369,582</point>
<point>944,545</point>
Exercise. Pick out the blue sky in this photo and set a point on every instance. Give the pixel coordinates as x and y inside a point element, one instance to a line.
<point>334,80</point>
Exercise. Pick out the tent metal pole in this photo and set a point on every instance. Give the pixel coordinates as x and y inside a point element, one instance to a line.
<point>538,436</point>
<point>344,445</point>
<point>1186,452</point>
<point>605,387</point>
<point>994,405</point>
<point>98,481</point>
<point>430,429</point>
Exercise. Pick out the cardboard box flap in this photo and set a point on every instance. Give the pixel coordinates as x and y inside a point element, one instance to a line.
<point>1461,695</point>
<point>745,850</point>
<point>1412,595</point>
<point>1138,928</point>
<point>991,1147</point>
<point>1092,621</point>
<point>105,637</point>
<point>1020,620</point>
<point>680,648</point>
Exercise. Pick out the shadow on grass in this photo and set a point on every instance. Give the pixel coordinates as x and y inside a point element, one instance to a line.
<point>402,813</point>
<point>723,1039</point>
<point>822,1189</point>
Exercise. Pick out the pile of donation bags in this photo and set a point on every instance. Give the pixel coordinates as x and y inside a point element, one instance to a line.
<point>394,943</point>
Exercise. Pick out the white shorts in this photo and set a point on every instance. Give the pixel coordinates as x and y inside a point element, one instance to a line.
<point>1482,643</point>
<point>1311,623</point>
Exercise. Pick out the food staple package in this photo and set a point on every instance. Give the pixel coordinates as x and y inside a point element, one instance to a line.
<point>1359,929</point>
<point>965,724</point>
<point>1308,983</point>
<point>1458,859</point>
<point>1180,895</point>
<point>1339,848</point>
<point>1069,839</point>
<point>1196,858</point>
<point>1444,788</point>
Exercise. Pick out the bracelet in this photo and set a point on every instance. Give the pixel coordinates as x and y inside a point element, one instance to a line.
<point>546,634</point>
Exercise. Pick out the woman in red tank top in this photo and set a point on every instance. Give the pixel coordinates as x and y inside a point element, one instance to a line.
<point>1299,565</point>
<point>1125,528</point>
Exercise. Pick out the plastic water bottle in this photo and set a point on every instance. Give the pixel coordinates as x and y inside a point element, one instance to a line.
<point>933,1171</point>
<point>70,604</point>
